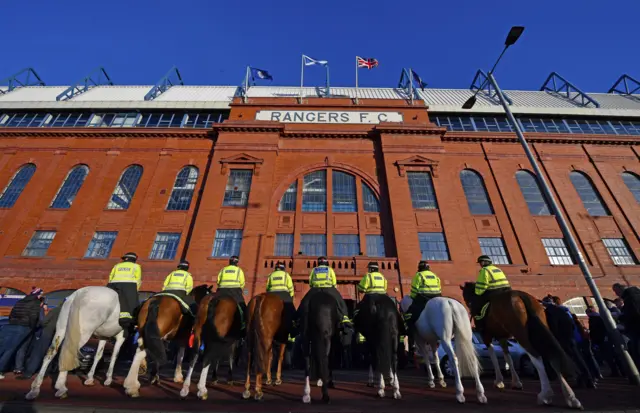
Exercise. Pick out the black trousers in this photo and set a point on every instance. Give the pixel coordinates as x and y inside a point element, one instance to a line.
<point>128,297</point>
<point>417,307</point>
<point>236,294</point>
<point>343,311</point>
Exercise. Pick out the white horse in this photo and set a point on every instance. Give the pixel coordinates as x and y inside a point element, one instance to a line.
<point>89,311</point>
<point>441,318</point>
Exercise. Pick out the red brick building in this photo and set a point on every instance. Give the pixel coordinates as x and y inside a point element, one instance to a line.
<point>202,174</point>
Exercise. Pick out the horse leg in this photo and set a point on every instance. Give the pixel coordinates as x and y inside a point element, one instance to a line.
<point>370,381</point>
<point>324,370</point>
<point>61,385</point>
<point>423,349</point>
<point>436,359</point>
<point>283,348</point>
<point>232,357</point>
<point>202,383</point>
<point>131,382</point>
<point>187,382</point>
<point>89,381</point>
<point>306,396</point>
<point>247,382</point>
<point>456,371</point>
<point>545,397</point>
<point>569,395</point>
<point>269,364</point>
<point>499,382</point>
<point>177,375</point>
<point>516,384</point>
<point>114,356</point>
<point>51,353</point>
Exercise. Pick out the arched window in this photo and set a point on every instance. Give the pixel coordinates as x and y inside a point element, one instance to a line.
<point>314,192</point>
<point>344,192</point>
<point>534,198</point>
<point>369,200</point>
<point>475,192</point>
<point>17,184</point>
<point>632,181</point>
<point>288,200</point>
<point>183,188</point>
<point>126,188</point>
<point>70,187</point>
<point>589,195</point>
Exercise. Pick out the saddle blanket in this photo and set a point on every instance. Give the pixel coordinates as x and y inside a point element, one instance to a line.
<point>185,307</point>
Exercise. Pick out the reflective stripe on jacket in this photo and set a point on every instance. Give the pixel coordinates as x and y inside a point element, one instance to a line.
<point>490,278</point>
<point>179,280</point>
<point>126,272</point>
<point>231,276</point>
<point>322,276</point>
<point>373,283</point>
<point>425,282</point>
<point>280,281</point>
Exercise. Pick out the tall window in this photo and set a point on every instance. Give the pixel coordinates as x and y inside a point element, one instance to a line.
<point>126,188</point>
<point>531,192</point>
<point>183,188</point>
<point>288,200</point>
<point>313,244</point>
<point>70,187</point>
<point>421,187</point>
<point>344,192</point>
<point>433,246</point>
<point>375,246</point>
<point>369,200</point>
<point>165,246</point>
<point>17,184</point>
<point>557,251</point>
<point>619,251</point>
<point>39,244</point>
<point>590,197</point>
<point>475,192</point>
<point>494,248</point>
<point>284,245</point>
<point>101,244</point>
<point>346,245</point>
<point>632,181</point>
<point>227,243</point>
<point>238,187</point>
<point>314,192</point>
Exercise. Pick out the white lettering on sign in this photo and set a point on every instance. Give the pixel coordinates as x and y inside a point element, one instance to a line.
<point>313,116</point>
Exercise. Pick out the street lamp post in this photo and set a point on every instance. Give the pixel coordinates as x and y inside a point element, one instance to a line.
<point>632,371</point>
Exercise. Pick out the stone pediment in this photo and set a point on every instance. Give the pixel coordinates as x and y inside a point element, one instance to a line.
<point>241,159</point>
<point>418,163</point>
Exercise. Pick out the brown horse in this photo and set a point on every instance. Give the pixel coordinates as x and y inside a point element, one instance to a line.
<point>266,324</point>
<point>161,319</point>
<point>520,315</point>
<point>218,325</point>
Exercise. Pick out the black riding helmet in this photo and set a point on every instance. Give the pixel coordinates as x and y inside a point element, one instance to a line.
<point>280,266</point>
<point>484,258</point>
<point>184,265</point>
<point>423,266</point>
<point>130,257</point>
<point>323,261</point>
<point>373,266</point>
<point>234,260</point>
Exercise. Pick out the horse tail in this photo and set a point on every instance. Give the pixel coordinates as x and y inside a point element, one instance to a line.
<point>258,349</point>
<point>151,334</point>
<point>544,342</point>
<point>68,359</point>
<point>386,337</point>
<point>466,354</point>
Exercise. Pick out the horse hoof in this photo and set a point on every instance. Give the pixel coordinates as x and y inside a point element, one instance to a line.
<point>107,383</point>
<point>89,383</point>
<point>443,384</point>
<point>184,393</point>
<point>543,400</point>
<point>258,397</point>
<point>381,394</point>
<point>499,385</point>
<point>155,380</point>
<point>32,395</point>
<point>460,398</point>
<point>397,395</point>
<point>482,399</point>
<point>134,394</point>
<point>246,394</point>
<point>306,399</point>
<point>268,382</point>
<point>179,380</point>
<point>62,394</point>
<point>203,396</point>
<point>278,382</point>
<point>431,384</point>
<point>574,403</point>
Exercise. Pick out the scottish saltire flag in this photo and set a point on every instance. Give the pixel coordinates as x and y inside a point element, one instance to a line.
<point>310,61</point>
<point>260,74</point>
<point>368,62</point>
<point>418,80</point>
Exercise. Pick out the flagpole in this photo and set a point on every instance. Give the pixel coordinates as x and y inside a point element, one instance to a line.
<point>301,78</point>
<point>356,80</point>
<point>246,84</point>
<point>328,87</point>
<point>410,74</point>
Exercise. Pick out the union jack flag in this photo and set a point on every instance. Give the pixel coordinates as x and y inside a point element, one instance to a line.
<point>368,62</point>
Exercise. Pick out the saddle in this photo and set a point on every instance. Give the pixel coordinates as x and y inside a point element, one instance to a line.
<point>186,310</point>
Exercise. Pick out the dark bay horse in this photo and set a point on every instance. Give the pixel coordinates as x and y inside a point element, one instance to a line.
<point>377,321</point>
<point>161,318</point>
<point>267,323</point>
<point>218,325</point>
<point>320,328</point>
<point>520,315</point>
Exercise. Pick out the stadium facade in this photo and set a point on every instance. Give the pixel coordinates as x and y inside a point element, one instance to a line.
<point>204,172</point>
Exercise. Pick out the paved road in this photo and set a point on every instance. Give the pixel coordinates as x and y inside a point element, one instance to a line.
<point>350,396</point>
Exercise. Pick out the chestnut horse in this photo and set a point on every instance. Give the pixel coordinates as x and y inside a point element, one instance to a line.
<point>520,315</point>
<point>161,319</point>
<point>266,323</point>
<point>218,325</point>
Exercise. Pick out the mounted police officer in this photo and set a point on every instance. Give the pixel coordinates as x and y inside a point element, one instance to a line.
<point>373,282</point>
<point>491,281</point>
<point>424,286</point>
<point>281,284</point>
<point>125,279</point>
<point>180,284</point>
<point>231,283</point>
<point>323,278</point>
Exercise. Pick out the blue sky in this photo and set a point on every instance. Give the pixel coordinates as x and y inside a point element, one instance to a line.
<point>137,41</point>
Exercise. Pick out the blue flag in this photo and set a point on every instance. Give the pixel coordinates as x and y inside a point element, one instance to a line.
<point>260,74</point>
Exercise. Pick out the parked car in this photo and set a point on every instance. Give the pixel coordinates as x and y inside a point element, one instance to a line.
<point>518,355</point>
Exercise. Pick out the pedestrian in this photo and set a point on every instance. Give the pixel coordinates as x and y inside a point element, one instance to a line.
<point>41,345</point>
<point>23,320</point>
<point>600,341</point>
<point>630,317</point>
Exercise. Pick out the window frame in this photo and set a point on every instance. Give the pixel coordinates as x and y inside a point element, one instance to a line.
<point>635,187</point>
<point>475,192</point>
<point>221,243</point>
<point>561,260</point>
<point>33,240</point>
<point>314,200</point>
<point>73,192</point>
<point>114,206</point>
<point>533,189</point>
<point>433,257</point>
<point>167,246</point>
<point>315,253</point>
<point>622,245</point>
<point>188,181</point>
<point>423,197</point>
<point>344,192</point>
<point>94,242</point>
<point>344,245</point>
<point>499,245</point>
<point>11,192</point>
<point>593,206</point>
<point>279,246</point>
<point>237,178</point>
